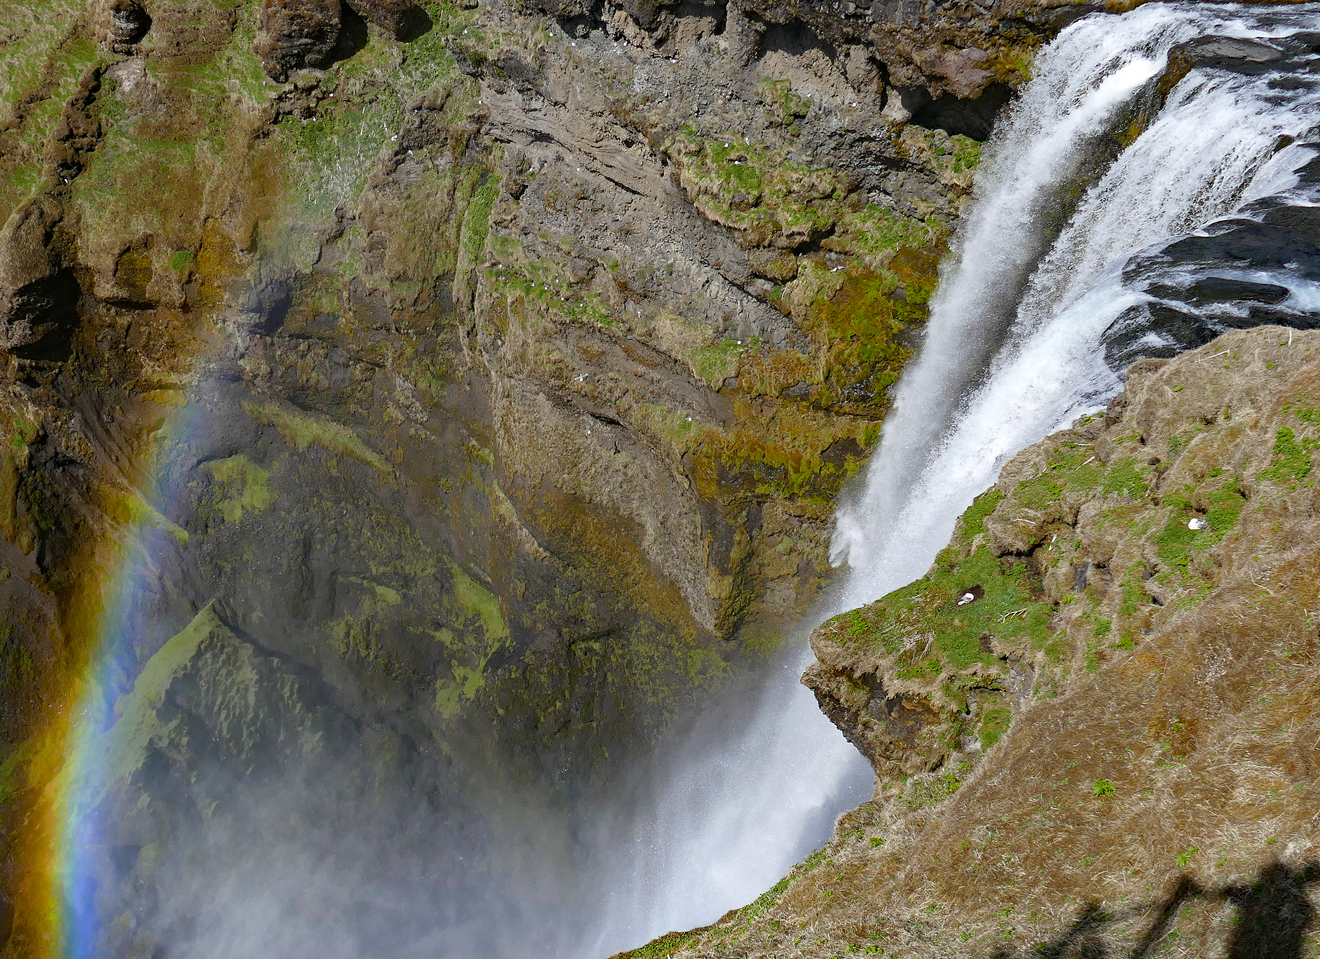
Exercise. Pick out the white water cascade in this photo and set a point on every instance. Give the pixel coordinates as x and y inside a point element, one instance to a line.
<point>1015,348</point>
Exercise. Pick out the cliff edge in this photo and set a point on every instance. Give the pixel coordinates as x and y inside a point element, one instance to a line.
<point>1110,749</point>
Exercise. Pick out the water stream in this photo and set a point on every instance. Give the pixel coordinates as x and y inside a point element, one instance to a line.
<point>1107,206</point>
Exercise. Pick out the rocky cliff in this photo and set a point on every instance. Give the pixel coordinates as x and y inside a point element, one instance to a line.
<point>1092,721</point>
<point>477,377</point>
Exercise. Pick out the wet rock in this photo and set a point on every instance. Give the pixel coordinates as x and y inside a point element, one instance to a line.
<point>1232,53</point>
<point>296,34</point>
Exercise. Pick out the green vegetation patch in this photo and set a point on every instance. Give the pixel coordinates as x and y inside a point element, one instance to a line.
<point>994,723</point>
<point>247,486</point>
<point>1292,457</point>
<point>1177,544</point>
<point>302,431</point>
<point>960,635</point>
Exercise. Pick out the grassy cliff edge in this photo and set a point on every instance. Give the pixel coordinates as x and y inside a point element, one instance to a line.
<point>1111,751</point>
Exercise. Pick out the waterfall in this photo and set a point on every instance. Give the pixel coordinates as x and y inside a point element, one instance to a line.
<point>1016,342</point>
<point>1098,210</point>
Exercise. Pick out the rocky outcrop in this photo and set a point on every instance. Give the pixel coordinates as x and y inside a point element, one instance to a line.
<point>296,34</point>
<point>1118,718</point>
<point>38,294</point>
<point>403,19</point>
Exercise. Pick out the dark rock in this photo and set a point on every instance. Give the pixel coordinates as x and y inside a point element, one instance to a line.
<point>123,24</point>
<point>1231,53</point>
<point>970,117</point>
<point>38,294</point>
<point>296,34</point>
<point>402,18</point>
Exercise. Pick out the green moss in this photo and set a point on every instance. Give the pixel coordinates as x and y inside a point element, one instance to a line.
<point>876,229</point>
<point>302,431</point>
<point>476,222</point>
<point>973,520</point>
<point>783,107</point>
<point>248,486</point>
<point>1292,457</point>
<point>1124,478</point>
<point>475,600</point>
<point>665,946</point>
<point>994,723</point>
<point>1007,610</point>
<point>469,657</point>
<point>716,363</point>
<point>927,792</point>
<point>1176,544</point>
<point>124,747</point>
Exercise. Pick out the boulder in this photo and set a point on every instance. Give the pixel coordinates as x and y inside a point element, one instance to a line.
<point>296,34</point>
<point>121,24</point>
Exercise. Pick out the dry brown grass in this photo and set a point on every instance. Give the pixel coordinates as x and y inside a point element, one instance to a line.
<point>1208,731</point>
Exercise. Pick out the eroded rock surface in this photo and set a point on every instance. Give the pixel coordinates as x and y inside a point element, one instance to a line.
<point>495,373</point>
<point>1121,717</point>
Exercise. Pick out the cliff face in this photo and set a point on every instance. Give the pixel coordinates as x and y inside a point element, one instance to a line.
<point>493,368</point>
<point>1111,748</point>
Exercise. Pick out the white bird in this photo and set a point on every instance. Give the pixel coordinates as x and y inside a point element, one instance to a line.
<point>1197,524</point>
<point>966,598</point>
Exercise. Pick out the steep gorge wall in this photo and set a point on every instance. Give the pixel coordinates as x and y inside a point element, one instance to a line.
<point>1110,750</point>
<point>498,371</point>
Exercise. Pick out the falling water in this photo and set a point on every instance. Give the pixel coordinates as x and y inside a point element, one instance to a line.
<point>1064,265</point>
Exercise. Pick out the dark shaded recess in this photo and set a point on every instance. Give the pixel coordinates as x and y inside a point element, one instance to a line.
<point>352,36</point>
<point>837,453</point>
<point>576,17</point>
<point>129,23</point>
<point>971,118</point>
<point>50,308</point>
<point>1054,19</point>
<point>794,38</point>
<point>272,300</point>
<point>1273,915</point>
<point>414,24</point>
<point>716,9</point>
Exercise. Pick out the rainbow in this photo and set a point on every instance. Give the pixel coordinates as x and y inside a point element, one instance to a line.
<point>55,912</point>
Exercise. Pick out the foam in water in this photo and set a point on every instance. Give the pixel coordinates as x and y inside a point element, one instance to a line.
<point>1014,349</point>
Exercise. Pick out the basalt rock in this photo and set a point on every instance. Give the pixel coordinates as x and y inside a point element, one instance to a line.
<point>296,34</point>
<point>38,293</point>
<point>123,24</point>
<point>402,18</point>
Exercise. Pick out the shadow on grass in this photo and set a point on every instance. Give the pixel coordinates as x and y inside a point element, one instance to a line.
<point>1273,915</point>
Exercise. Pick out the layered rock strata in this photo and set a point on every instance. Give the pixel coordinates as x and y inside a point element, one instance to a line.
<point>498,372</point>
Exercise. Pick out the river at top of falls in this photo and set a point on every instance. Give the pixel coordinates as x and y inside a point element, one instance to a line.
<point>1077,255</point>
